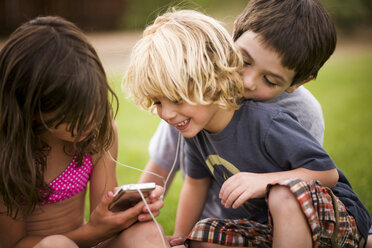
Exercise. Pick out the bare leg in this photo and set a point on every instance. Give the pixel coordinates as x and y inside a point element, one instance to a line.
<point>56,241</point>
<point>144,234</point>
<point>196,244</point>
<point>290,226</point>
<point>369,241</point>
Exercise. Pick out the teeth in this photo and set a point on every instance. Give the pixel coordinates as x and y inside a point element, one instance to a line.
<point>182,123</point>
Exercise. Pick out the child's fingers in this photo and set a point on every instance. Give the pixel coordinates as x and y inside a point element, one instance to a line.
<point>154,206</point>
<point>237,197</point>
<point>106,199</point>
<point>146,217</point>
<point>129,216</point>
<point>135,210</point>
<point>241,199</point>
<point>174,241</point>
<point>229,199</point>
<point>155,210</point>
<point>157,192</point>
<point>116,189</point>
<point>227,189</point>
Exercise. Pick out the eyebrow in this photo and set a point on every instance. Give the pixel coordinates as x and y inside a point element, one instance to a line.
<point>247,54</point>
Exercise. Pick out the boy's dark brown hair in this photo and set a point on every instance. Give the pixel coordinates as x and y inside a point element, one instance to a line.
<point>300,31</point>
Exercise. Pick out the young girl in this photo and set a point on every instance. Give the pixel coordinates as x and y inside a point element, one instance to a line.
<point>57,129</point>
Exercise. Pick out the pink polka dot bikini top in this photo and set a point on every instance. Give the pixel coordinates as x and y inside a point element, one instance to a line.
<point>71,181</point>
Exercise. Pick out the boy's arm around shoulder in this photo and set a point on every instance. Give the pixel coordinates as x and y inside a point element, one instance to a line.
<point>327,178</point>
<point>245,185</point>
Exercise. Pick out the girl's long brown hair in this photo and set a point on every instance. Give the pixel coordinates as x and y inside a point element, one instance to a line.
<point>47,66</point>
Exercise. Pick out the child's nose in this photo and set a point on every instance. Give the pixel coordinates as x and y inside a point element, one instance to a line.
<point>167,112</point>
<point>249,80</point>
<point>249,83</point>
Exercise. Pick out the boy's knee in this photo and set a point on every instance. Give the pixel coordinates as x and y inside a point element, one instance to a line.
<point>56,241</point>
<point>281,198</point>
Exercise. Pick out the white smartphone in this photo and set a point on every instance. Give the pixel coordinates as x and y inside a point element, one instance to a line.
<point>127,196</point>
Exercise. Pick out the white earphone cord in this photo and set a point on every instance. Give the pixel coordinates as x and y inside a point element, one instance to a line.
<point>153,217</point>
<point>155,174</point>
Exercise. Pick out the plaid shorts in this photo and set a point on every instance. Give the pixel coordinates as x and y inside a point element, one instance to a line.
<point>330,223</point>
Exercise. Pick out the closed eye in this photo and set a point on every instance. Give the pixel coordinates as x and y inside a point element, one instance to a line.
<point>246,63</point>
<point>268,82</point>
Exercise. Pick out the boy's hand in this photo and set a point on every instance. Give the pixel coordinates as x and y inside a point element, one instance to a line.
<point>154,203</point>
<point>175,240</point>
<point>241,187</point>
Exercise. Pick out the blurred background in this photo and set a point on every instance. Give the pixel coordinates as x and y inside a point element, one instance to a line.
<point>343,86</point>
<point>98,15</point>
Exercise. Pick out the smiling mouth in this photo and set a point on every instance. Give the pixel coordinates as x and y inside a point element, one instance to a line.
<point>183,124</point>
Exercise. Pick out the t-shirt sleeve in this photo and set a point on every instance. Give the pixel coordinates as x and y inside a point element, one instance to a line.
<point>306,108</point>
<point>194,164</point>
<point>291,146</point>
<point>162,146</point>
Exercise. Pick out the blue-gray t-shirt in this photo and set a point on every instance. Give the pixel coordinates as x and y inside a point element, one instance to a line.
<point>262,138</point>
<point>162,146</point>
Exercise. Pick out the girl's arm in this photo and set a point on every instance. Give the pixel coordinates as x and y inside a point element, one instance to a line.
<point>104,224</point>
<point>103,178</point>
<point>191,203</point>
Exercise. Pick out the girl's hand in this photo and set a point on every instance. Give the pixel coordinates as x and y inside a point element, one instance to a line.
<point>241,187</point>
<point>154,203</point>
<point>105,223</point>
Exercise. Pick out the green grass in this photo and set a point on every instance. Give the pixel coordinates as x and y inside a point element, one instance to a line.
<point>343,88</point>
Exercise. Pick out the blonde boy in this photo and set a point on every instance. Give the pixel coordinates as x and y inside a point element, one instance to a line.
<point>187,70</point>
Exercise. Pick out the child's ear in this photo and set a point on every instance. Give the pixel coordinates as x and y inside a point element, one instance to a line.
<point>295,86</point>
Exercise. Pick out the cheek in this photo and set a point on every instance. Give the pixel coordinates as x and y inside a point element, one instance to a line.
<point>158,111</point>
<point>205,116</point>
<point>267,93</point>
<point>160,114</point>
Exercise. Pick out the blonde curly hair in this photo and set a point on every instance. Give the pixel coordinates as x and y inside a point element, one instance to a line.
<point>185,56</point>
